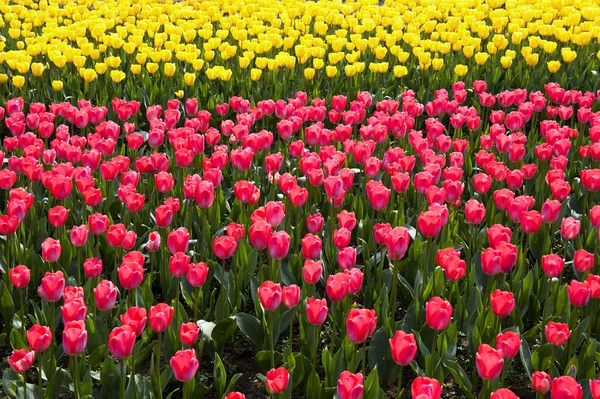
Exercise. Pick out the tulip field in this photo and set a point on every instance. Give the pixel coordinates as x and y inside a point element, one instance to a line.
<point>300,199</point>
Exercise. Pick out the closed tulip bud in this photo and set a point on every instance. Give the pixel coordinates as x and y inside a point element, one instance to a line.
<point>51,250</point>
<point>74,338</point>
<point>360,324</point>
<point>39,337</point>
<point>188,333</point>
<point>291,296</point>
<point>312,271</point>
<point>341,237</point>
<point>178,240</point>
<point>337,287</point>
<point>136,318</point>
<point>540,381</point>
<point>21,360</point>
<point>503,302</point>
<point>579,293</point>
<point>106,295</point>
<point>552,265</point>
<point>196,274</point>
<point>566,388</point>
<point>438,313</point>
<point>52,286</point>
<point>489,362</point>
<point>557,333</point>
<point>121,341</point>
<point>277,380</point>
<point>279,245</point>
<point>583,260</point>
<point>350,386</point>
<point>425,388</point>
<point>503,393</point>
<point>184,364</point>
<point>347,258</point>
<point>347,219</point>
<point>19,276</point>
<point>160,317</point>
<point>224,247</point>
<point>270,295</point>
<point>509,343</point>
<point>429,223</point>
<point>404,348</point>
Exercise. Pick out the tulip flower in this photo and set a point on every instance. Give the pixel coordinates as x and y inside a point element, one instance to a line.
<point>509,343</point>
<point>277,380</point>
<point>121,341</point>
<point>51,250</point>
<point>184,364</point>
<point>106,295</point>
<point>350,386</point>
<point>557,334</point>
<point>136,318</point>
<point>595,388</point>
<point>425,387</point>
<point>21,360</point>
<point>503,393</point>
<point>503,302</point>
<point>489,362</point>
<point>39,337</point>
<point>19,276</point>
<point>188,333</point>
<point>565,388</point>
<point>438,313</point>
<point>540,382</point>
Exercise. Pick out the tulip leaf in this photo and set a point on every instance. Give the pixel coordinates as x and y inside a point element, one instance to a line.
<point>232,383</point>
<point>219,375</point>
<point>313,386</point>
<point>525,354</point>
<point>97,356</point>
<point>541,359</point>
<point>372,384</point>
<point>251,328</point>
<point>223,331</point>
<point>6,303</point>
<point>53,387</point>
<point>16,340</point>
<point>460,377</point>
<point>110,379</point>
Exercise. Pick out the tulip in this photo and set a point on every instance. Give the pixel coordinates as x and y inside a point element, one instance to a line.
<point>51,250</point>
<point>52,286</point>
<point>291,296</point>
<point>350,386</point>
<point>277,380</point>
<point>565,388</point>
<point>57,216</point>
<point>552,265</point>
<point>474,212</point>
<point>184,364</point>
<point>130,274</point>
<point>39,337</point>
<point>316,311</point>
<point>540,382</point>
<point>106,295</point>
<point>425,388</point>
<point>279,245</point>
<point>438,313</point>
<point>74,337</point>
<point>188,333</point>
<point>178,264</point>
<point>314,223</point>
<point>360,324</point>
<point>569,228</point>
<point>583,260</point>
<point>404,348</point>
<point>19,276</point>
<point>503,302</point>
<point>347,258</point>
<point>346,220</point>
<point>396,242</point>
<point>311,246</point>
<point>337,287</point>
<point>509,343</point>
<point>136,318</point>
<point>160,317</point>
<point>178,240</point>
<point>579,293</point>
<point>355,280</point>
<point>92,267</point>
<point>503,393</point>
<point>312,271</point>
<point>429,223</point>
<point>196,274</point>
<point>235,395</point>
<point>557,333</point>
<point>73,309</point>
<point>121,341</point>
<point>270,295</point>
<point>595,388</point>
<point>21,360</point>
<point>259,234</point>
<point>79,235</point>
<point>489,362</point>
<point>153,243</point>
<point>224,247</point>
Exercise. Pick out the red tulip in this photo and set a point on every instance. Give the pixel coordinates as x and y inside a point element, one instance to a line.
<point>429,223</point>
<point>360,324</point>
<point>178,264</point>
<point>404,348</point>
<point>130,274</point>
<point>160,317</point>
<point>503,302</point>
<point>595,388</point>
<point>595,216</point>
<point>277,380</point>
<point>579,293</point>
<point>274,213</point>
<point>259,234</point>
<point>396,242</point>
<point>79,235</point>
<point>540,382</point>
<point>116,235</point>
<point>489,362</point>
<point>438,313</point>
<point>92,267</point>
<point>106,295</point>
<point>235,230</point>
<point>39,337</point>
<point>498,234</point>
<point>346,219</point>
<point>136,318</point>
<point>594,282</point>
<point>347,258</point>
<point>355,280</point>
<point>74,338</point>
<point>565,388</point>
<point>57,216</point>
<point>337,287</point>
<point>503,393</point>
<point>270,295</point>
<point>341,237</point>
<point>569,228</point>
<point>153,243</point>
<point>72,293</point>
<point>52,286</point>
<point>196,274</point>
<point>235,395</point>
<point>509,343</point>
<point>246,192</point>
<point>178,240</point>
<point>279,245</point>
<point>552,265</point>
<point>583,260</point>
<point>188,333</point>
<point>350,386</point>
<point>474,212</point>
<point>73,309</point>
<point>20,276</point>
<point>21,360</point>
<point>550,211</point>
<point>531,221</point>
<point>425,388</point>
<point>184,364</point>
<point>291,296</point>
<point>314,223</point>
<point>224,247</point>
<point>121,341</point>
<point>51,250</point>
<point>312,271</point>
<point>557,333</point>
<point>311,246</point>
<point>316,311</point>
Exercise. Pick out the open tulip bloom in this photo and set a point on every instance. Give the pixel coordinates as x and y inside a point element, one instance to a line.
<point>319,194</point>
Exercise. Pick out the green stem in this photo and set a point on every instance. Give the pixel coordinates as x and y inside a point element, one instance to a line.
<point>271,338</point>
<point>364,359</point>
<point>22,310</point>
<point>75,374</point>
<point>158,365</point>
<point>122,378</point>
<point>291,330</point>
<point>133,372</point>
<point>40,381</point>
<point>185,390</point>
<point>394,290</point>
<point>433,350</point>
<point>24,384</point>
<point>317,328</point>
<point>177,288</point>
<point>52,342</point>
<point>399,389</point>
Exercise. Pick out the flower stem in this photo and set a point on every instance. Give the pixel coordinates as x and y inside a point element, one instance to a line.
<point>40,382</point>
<point>399,389</point>
<point>271,339</point>
<point>158,365</point>
<point>75,374</point>
<point>133,372</point>
<point>364,359</point>
<point>122,378</point>
<point>24,384</point>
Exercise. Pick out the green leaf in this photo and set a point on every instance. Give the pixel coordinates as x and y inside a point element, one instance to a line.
<point>110,380</point>
<point>16,340</point>
<point>525,355</point>
<point>313,386</point>
<point>541,359</point>
<point>252,329</point>
<point>460,377</point>
<point>232,383</point>
<point>372,384</point>
<point>223,331</point>
<point>379,347</point>
<point>219,375</point>
<point>53,387</point>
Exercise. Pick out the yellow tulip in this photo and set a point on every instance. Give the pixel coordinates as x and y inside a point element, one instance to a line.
<point>3,78</point>
<point>553,66</point>
<point>179,93</point>
<point>209,55</point>
<point>225,75</point>
<point>309,73</point>
<point>244,62</point>
<point>152,67</point>
<point>437,63</point>
<point>461,70</point>
<point>189,78</point>
<point>37,69</point>
<point>568,55</point>
<point>169,69</point>
<point>100,68</point>
<point>318,63</point>
<point>198,64</point>
<point>255,74</point>
<point>481,58</point>
<point>350,70</point>
<point>136,69</point>
<point>89,75</point>
<point>18,81</point>
<point>330,71</point>
<point>532,59</point>
<point>57,85</point>
<point>117,75</point>
<point>506,62</point>
<point>400,71</point>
